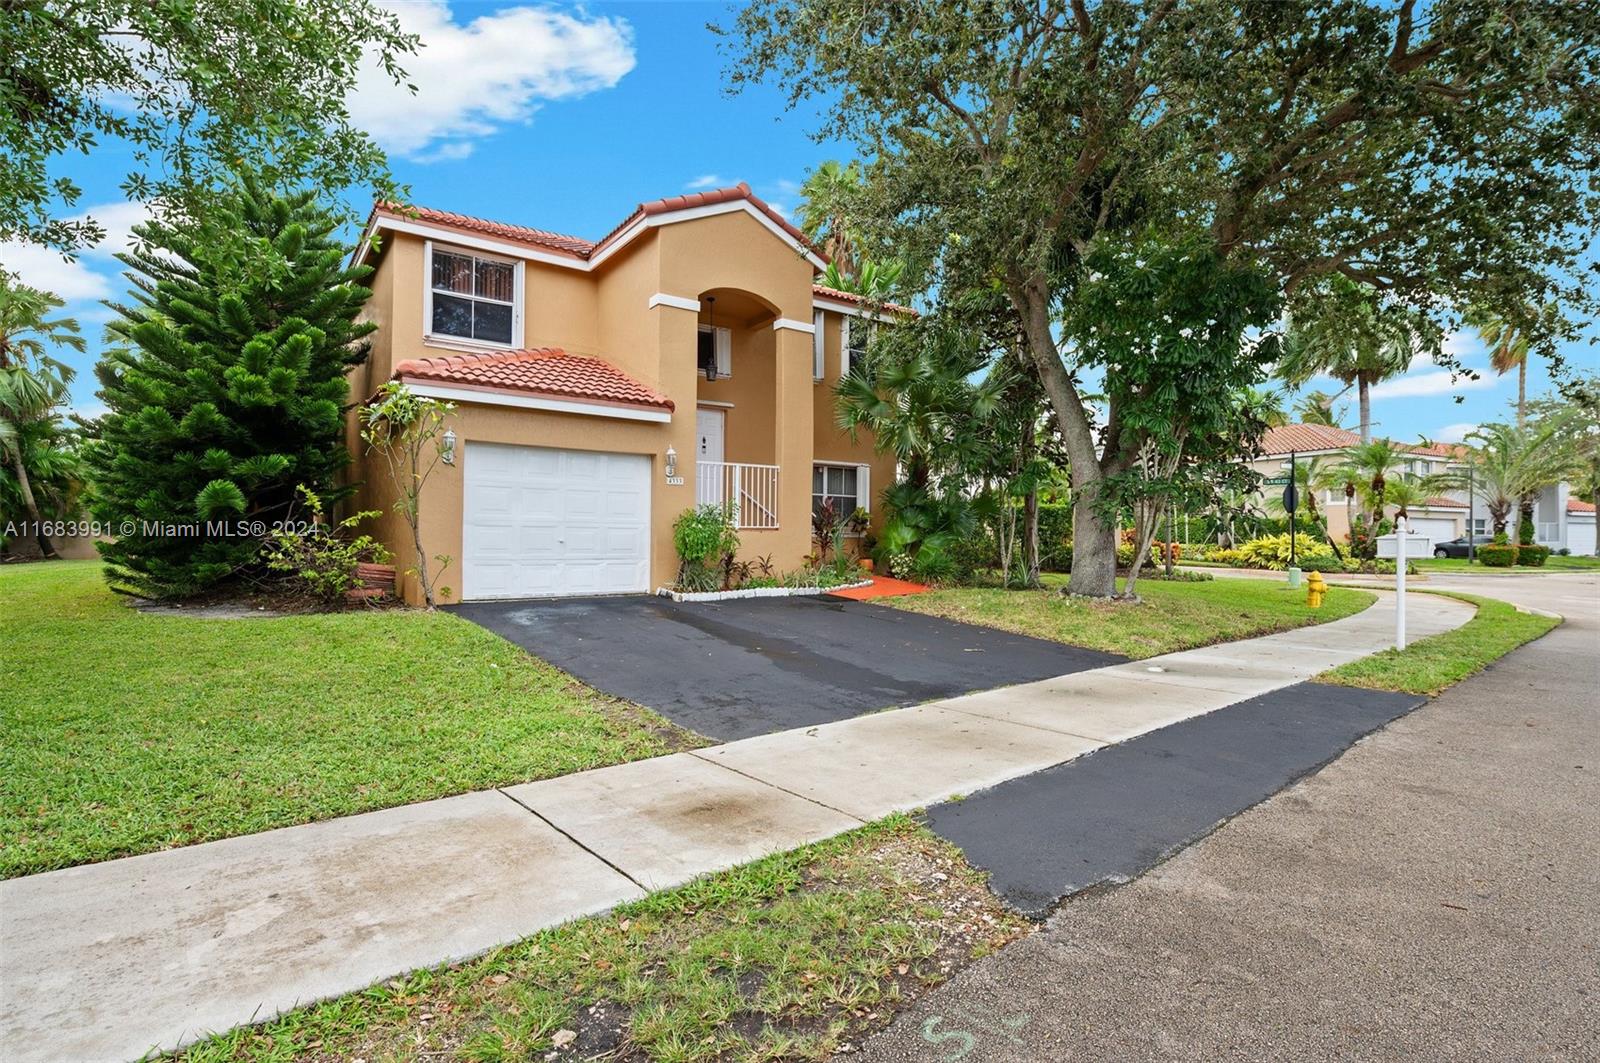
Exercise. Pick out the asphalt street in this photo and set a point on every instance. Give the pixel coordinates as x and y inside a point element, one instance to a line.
<point>1434,893</point>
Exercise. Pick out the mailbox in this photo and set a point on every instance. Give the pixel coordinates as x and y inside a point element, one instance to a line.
<point>1417,545</point>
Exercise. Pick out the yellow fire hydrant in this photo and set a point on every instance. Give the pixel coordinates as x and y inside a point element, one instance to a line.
<point>1315,589</point>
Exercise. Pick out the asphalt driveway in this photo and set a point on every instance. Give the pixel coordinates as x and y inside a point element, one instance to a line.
<point>752,666</point>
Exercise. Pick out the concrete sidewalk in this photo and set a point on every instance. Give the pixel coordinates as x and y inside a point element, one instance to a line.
<point>109,961</point>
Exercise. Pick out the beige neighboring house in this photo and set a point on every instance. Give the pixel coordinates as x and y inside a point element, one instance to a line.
<point>604,387</point>
<point>1561,521</point>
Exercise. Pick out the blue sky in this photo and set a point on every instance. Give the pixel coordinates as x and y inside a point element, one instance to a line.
<point>565,117</point>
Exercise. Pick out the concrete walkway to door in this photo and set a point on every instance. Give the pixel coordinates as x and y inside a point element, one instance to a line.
<point>109,961</point>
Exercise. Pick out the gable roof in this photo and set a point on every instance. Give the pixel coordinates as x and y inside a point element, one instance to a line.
<point>548,371</point>
<point>1304,438</point>
<point>577,252</point>
<point>1578,505</point>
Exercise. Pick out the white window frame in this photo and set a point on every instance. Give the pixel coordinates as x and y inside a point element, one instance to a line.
<point>818,365</point>
<point>863,482</point>
<point>441,339</point>
<point>724,348</point>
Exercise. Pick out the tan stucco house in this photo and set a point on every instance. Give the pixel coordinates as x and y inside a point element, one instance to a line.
<point>604,387</point>
<point>1561,520</point>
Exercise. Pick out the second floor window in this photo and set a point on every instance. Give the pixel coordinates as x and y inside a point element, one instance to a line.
<point>472,298</point>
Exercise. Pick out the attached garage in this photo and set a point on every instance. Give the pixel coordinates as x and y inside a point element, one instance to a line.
<point>540,522</point>
<point>1437,529</point>
<point>1580,534</point>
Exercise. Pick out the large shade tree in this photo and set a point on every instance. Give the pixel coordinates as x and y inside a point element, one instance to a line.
<point>193,89</point>
<point>1435,152</point>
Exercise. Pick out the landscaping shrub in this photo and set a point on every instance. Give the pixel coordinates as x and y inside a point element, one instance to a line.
<point>1498,555</point>
<point>319,560</point>
<point>1533,556</point>
<point>1272,551</point>
<point>705,539</point>
<point>229,390</point>
<point>1055,537</point>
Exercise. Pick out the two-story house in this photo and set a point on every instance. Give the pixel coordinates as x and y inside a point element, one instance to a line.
<point>603,387</point>
<point>1561,519</point>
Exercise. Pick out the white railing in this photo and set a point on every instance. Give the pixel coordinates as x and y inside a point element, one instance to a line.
<point>1548,532</point>
<point>752,490</point>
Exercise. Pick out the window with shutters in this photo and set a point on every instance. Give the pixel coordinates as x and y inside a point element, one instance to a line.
<point>845,485</point>
<point>473,298</point>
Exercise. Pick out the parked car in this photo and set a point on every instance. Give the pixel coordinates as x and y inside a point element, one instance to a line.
<point>1458,547</point>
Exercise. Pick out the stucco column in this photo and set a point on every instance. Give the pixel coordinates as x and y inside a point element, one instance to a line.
<point>794,431</point>
<point>676,331</point>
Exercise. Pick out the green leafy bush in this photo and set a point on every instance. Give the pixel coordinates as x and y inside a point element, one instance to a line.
<point>1272,551</point>
<point>1498,555</point>
<point>319,560</point>
<point>1533,556</point>
<point>705,540</point>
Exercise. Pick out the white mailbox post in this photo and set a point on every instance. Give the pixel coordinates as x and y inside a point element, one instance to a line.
<point>1400,545</point>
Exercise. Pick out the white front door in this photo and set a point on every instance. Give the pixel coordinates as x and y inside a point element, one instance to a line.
<point>709,425</point>
<point>539,522</point>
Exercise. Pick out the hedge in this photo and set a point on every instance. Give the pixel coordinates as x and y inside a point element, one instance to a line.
<point>1496,555</point>
<point>1533,556</point>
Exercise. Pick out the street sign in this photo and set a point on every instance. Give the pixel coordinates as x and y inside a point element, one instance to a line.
<point>1291,499</point>
<point>1278,481</point>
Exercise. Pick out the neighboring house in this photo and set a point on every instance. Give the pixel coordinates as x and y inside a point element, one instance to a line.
<point>602,388</point>
<point>1561,521</point>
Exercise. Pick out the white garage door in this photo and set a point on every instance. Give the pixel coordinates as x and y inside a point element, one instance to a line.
<point>1437,529</point>
<point>540,522</point>
<point>1580,536</point>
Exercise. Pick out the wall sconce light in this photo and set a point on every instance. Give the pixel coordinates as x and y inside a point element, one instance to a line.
<point>672,463</point>
<point>447,452</point>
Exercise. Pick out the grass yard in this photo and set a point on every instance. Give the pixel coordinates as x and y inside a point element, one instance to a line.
<point>1429,665</point>
<point>128,732</point>
<point>1172,616</point>
<point>1554,563</point>
<point>790,957</point>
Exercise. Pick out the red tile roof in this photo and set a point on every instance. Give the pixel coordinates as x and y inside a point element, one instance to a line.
<point>543,371</point>
<point>1443,502</point>
<point>586,249</point>
<point>571,245</point>
<point>1577,505</point>
<point>1304,437</point>
<point>856,300</point>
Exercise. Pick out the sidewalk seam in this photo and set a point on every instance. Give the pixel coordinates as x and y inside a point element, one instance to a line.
<point>772,785</point>
<point>571,838</point>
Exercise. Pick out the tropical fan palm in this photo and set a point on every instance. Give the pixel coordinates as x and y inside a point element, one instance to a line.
<point>1508,350</point>
<point>1345,330</point>
<point>1505,464</point>
<point>825,211</point>
<point>33,384</point>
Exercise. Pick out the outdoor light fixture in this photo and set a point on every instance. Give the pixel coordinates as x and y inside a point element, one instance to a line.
<point>672,463</point>
<point>447,452</point>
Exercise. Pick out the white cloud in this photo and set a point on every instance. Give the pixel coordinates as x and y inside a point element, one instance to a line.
<point>1437,382</point>
<point>494,71</point>
<point>707,180</point>
<point>1454,433</point>
<point>89,277</point>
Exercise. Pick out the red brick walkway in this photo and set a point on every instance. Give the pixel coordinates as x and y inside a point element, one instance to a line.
<point>882,587</point>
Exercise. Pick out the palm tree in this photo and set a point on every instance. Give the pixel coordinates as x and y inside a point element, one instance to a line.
<point>32,383</point>
<point>1404,492</point>
<point>1345,330</point>
<point>1508,349</point>
<point>825,211</point>
<point>1316,407</point>
<point>1337,477</point>
<point>1372,464</point>
<point>1506,465</point>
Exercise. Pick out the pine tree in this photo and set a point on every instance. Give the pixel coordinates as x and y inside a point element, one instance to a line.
<point>230,390</point>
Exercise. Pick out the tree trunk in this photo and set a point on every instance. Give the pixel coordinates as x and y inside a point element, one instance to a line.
<point>1030,539</point>
<point>1522,393</point>
<point>1364,390</point>
<point>1094,540</point>
<point>25,486</point>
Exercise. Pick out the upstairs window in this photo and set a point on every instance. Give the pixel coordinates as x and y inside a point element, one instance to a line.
<point>472,298</point>
<point>857,335</point>
<point>817,366</point>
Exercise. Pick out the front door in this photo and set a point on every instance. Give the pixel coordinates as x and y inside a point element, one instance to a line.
<point>709,424</point>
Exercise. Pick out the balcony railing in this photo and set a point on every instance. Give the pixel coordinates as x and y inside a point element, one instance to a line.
<point>752,490</point>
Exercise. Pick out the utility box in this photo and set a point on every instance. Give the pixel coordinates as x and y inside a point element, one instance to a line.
<point>1417,545</point>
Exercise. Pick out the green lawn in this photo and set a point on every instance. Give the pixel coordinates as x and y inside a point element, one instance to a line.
<point>1555,563</point>
<point>1429,665</point>
<point>1172,616</point>
<point>127,732</point>
<point>785,958</point>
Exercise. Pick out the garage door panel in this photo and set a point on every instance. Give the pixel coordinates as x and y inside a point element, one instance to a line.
<point>541,522</point>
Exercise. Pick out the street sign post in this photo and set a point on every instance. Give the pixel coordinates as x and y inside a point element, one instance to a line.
<point>1291,501</point>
